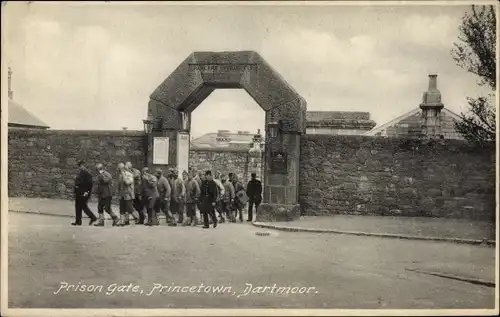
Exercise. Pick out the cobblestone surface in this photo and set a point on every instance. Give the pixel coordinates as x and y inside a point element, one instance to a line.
<point>345,271</point>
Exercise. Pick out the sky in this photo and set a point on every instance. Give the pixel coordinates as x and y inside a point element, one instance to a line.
<point>93,66</point>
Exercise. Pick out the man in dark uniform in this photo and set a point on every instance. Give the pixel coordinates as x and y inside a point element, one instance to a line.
<point>208,199</point>
<point>104,182</point>
<point>82,190</point>
<point>254,193</point>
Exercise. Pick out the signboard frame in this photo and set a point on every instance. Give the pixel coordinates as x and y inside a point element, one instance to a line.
<point>183,161</point>
<point>161,150</point>
<point>279,162</point>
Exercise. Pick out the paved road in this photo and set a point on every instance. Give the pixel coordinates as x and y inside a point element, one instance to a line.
<point>337,271</point>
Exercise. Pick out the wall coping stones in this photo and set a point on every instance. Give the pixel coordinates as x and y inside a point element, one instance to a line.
<point>32,132</point>
<point>233,150</point>
<point>391,141</point>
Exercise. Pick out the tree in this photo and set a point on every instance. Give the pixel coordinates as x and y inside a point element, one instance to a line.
<point>476,53</point>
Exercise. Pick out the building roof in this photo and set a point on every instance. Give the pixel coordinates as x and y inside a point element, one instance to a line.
<point>339,120</point>
<point>19,116</point>
<point>244,139</point>
<point>315,116</point>
<point>408,114</point>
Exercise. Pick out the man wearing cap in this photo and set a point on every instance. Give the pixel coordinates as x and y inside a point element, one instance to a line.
<point>178,195</point>
<point>254,193</point>
<point>82,191</point>
<point>199,179</point>
<point>138,214</point>
<point>208,199</point>
<point>192,196</point>
<point>104,182</point>
<point>228,198</point>
<point>239,202</point>
<point>127,194</point>
<point>150,196</point>
<point>165,194</point>
<point>221,192</point>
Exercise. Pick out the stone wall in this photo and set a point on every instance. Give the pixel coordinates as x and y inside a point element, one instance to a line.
<point>44,163</point>
<point>391,176</point>
<point>338,174</point>
<point>224,161</point>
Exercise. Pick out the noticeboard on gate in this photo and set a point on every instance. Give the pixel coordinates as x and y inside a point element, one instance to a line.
<point>161,147</point>
<point>182,152</point>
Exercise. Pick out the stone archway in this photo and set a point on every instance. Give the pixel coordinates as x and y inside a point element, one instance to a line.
<point>198,76</point>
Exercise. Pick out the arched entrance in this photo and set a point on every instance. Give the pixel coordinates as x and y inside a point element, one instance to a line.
<point>196,78</point>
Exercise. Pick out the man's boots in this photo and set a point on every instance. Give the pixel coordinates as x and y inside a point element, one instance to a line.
<point>153,222</point>
<point>172,222</point>
<point>121,223</point>
<point>126,219</point>
<point>100,221</point>
<point>195,221</point>
<point>115,220</point>
<point>152,218</point>
<point>188,222</point>
<point>135,215</point>
<point>139,217</point>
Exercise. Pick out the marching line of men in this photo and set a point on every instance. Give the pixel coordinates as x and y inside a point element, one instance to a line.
<point>141,190</point>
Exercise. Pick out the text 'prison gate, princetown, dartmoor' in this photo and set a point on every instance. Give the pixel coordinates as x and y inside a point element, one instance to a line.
<point>322,174</point>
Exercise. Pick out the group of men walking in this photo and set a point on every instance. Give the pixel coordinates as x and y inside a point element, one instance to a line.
<point>177,198</point>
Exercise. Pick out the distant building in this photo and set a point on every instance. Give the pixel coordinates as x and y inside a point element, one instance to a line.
<point>338,122</point>
<point>19,117</point>
<point>431,117</point>
<point>224,139</point>
<point>318,122</point>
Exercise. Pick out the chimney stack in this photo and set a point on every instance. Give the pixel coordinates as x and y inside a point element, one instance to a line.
<point>9,82</point>
<point>433,81</point>
<point>431,109</point>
